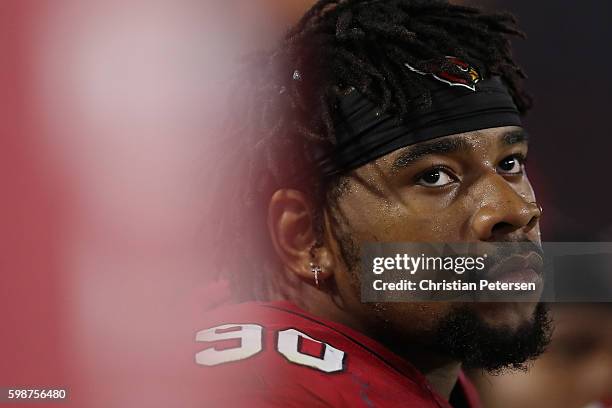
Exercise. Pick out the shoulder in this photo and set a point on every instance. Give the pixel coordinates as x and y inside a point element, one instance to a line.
<point>264,354</point>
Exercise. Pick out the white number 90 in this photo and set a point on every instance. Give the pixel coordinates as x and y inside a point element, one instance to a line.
<point>251,343</point>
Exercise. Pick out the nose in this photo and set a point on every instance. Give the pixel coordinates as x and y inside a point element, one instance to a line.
<point>504,211</point>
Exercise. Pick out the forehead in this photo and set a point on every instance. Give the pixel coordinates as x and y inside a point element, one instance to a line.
<point>479,142</point>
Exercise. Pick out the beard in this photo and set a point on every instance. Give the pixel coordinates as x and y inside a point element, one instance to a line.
<point>464,336</point>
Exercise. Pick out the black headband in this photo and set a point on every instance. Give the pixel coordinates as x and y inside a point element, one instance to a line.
<point>364,134</point>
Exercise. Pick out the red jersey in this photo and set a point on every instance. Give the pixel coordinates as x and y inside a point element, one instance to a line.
<point>277,355</point>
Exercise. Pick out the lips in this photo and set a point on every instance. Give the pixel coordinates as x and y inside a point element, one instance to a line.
<point>518,268</point>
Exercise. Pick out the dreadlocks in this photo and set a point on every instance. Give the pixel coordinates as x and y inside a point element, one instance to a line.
<point>285,104</point>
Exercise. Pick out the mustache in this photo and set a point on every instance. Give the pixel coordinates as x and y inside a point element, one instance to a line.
<point>509,251</point>
<point>495,251</point>
<point>509,248</point>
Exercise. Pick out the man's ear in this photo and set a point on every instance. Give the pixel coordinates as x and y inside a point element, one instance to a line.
<point>291,222</point>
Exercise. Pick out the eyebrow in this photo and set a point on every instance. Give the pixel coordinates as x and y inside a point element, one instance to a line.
<point>514,137</point>
<point>450,145</point>
<point>416,152</point>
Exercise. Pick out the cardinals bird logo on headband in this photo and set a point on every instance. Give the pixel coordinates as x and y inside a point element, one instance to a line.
<point>450,70</point>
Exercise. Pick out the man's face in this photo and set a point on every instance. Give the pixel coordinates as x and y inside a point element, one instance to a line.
<point>470,187</point>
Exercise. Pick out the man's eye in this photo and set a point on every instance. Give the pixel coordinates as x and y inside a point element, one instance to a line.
<point>511,165</point>
<point>435,178</point>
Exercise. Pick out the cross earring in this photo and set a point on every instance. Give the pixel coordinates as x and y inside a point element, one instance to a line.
<point>316,270</point>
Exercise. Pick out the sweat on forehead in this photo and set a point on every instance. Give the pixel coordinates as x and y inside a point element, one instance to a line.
<point>449,145</point>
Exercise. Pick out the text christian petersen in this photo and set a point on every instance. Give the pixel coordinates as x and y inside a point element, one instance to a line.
<point>437,264</point>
